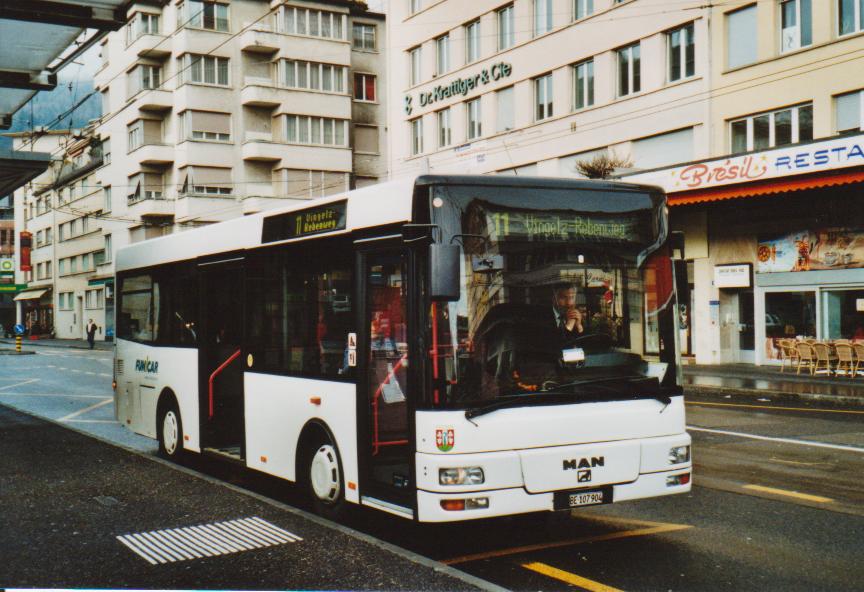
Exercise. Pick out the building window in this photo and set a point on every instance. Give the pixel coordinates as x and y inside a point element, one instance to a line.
<point>506,118</point>
<point>796,18</point>
<point>206,15</point>
<point>135,135</point>
<point>108,252</point>
<point>140,24</point>
<point>364,87</point>
<point>629,70</point>
<point>106,151</point>
<point>444,130</point>
<point>205,70</point>
<point>415,57</point>
<point>315,23</point>
<point>300,129</point>
<point>583,78</point>
<point>206,181</point>
<point>582,8</point>
<point>141,186</point>
<point>774,128</point>
<point>416,136</point>
<point>144,78</point>
<point>415,6</point>
<point>474,119</point>
<point>366,139</point>
<point>851,16</point>
<point>205,125</point>
<point>741,37</point>
<point>681,48</point>
<point>442,55</point>
<point>543,97</point>
<point>472,42</point>
<point>363,36</point>
<point>506,31</point>
<point>849,112</point>
<point>93,299</point>
<point>106,198</point>
<point>313,76</point>
<point>542,17</point>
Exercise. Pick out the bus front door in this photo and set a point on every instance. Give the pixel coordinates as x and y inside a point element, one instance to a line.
<point>386,439</point>
<point>221,376</point>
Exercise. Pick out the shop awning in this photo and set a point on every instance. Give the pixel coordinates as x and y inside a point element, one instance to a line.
<point>765,188</point>
<point>31,295</point>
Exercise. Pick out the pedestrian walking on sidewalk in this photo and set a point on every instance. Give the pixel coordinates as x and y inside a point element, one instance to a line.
<point>91,333</point>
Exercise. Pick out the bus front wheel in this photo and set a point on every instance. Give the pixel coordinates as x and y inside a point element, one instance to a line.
<point>324,480</point>
<point>170,430</point>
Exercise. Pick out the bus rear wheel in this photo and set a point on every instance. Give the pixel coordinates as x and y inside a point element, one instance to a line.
<point>170,430</point>
<point>324,483</point>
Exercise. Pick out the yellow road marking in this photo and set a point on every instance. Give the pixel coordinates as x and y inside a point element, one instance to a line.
<point>772,407</point>
<point>569,578</point>
<point>804,496</point>
<point>660,528</point>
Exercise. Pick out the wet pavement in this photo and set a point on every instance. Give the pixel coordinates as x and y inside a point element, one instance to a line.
<point>746,379</point>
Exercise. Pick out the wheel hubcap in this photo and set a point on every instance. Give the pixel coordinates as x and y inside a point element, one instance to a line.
<point>170,431</point>
<point>324,474</point>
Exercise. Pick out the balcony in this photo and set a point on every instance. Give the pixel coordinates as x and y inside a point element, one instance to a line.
<point>151,46</point>
<point>259,146</point>
<point>204,97</point>
<point>150,206</point>
<point>261,92</point>
<point>254,204</point>
<point>206,209</point>
<point>260,38</point>
<point>153,154</point>
<point>154,100</point>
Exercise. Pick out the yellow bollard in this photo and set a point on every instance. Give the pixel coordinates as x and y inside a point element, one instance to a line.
<point>18,344</point>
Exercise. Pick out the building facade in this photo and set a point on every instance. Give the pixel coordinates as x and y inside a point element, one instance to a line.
<point>774,219</point>
<point>715,104</point>
<point>211,110</point>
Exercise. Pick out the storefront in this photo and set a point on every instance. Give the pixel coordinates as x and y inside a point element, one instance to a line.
<point>37,311</point>
<point>776,242</point>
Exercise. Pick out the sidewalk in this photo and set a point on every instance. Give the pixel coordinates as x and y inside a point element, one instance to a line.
<point>746,380</point>
<point>26,342</point>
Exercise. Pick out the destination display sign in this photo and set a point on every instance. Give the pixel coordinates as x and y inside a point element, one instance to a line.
<point>565,226</point>
<point>318,220</point>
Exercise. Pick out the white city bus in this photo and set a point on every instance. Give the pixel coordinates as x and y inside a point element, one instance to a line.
<point>414,347</point>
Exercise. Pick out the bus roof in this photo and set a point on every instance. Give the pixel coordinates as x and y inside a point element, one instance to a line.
<point>377,205</point>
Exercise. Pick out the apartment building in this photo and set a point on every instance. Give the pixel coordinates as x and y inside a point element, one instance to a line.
<point>774,218</point>
<point>215,110</point>
<point>535,86</point>
<point>714,103</point>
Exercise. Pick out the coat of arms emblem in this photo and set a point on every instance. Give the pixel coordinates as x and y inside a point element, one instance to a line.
<point>445,439</point>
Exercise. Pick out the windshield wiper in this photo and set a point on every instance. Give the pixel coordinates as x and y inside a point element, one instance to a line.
<point>555,395</point>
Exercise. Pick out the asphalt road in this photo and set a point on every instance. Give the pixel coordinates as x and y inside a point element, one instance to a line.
<point>776,505</point>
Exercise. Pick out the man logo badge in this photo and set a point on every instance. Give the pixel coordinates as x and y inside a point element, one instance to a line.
<point>583,476</point>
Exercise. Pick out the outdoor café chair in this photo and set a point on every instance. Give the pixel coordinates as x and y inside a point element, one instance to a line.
<point>787,353</point>
<point>823,357</point>
<point>806,357</point>
<point>845,359</point>
<point>859,358</point>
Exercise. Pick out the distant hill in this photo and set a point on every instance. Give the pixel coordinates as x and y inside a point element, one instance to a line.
<point>48,105</point>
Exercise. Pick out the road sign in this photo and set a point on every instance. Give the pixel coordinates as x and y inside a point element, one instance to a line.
<point>19,329</point>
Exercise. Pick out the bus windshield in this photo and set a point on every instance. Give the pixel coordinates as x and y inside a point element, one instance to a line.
<point>566,295</point>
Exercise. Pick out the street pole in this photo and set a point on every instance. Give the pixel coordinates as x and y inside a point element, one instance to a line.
<point>18,344</point>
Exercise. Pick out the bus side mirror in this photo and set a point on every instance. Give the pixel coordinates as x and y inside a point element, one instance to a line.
<point>682,285</point>
<point>444,272</point>
<point>676,243</point>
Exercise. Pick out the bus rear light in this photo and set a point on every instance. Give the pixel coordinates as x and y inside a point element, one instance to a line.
<point>263,459</point>
<point>675,480</point>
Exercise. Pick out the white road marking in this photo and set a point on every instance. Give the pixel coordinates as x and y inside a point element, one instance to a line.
<point>92,421</point>
<point>9,386</point>
<point>86,410</point>
<point>206,540</point>
<point>15,394</point>
<point>783,440</point>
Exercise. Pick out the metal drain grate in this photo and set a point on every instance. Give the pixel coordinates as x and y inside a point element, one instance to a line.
<point>206,540</point>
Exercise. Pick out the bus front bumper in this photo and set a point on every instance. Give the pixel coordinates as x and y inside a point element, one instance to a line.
<point>506,502</point>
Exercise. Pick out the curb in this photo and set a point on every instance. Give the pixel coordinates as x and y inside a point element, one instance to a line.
<point>12,352</point>
<point>748,393</point>
<point>35,342</point>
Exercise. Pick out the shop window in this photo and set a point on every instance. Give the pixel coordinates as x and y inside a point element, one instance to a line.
<point>843,314</point>
<point>790,314</point>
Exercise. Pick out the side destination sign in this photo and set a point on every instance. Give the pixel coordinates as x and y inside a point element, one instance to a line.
<point>318,220</point>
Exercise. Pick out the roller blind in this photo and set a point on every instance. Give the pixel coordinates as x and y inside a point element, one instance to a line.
<point>206,121</point>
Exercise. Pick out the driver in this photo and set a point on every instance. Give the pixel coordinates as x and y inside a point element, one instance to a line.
<point>568,319</point>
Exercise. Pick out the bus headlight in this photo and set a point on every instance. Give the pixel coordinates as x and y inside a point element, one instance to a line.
<point>679,454</point>
<point>461,476</point>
